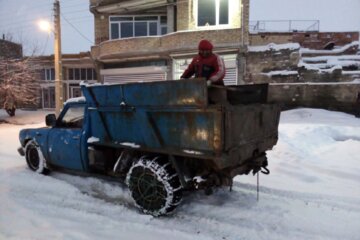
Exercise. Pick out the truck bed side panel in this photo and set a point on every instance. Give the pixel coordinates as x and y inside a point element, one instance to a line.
<point>173,131</point>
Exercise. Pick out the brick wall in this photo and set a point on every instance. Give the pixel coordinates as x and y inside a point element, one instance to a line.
<point>183,13</point>
<point>266,38</point>
<point>101,23</point>
<point>246,9</point>
<point>339,97</point>
<point>266,61</point>
<point>318,40</point>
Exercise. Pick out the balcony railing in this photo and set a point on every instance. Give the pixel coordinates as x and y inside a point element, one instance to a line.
<point>284,26</point>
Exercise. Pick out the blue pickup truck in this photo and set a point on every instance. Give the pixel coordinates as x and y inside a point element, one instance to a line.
<point>160,138</point>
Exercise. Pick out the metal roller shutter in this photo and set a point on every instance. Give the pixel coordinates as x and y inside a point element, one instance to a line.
<point>141,74</point>
<point>231,70</point>
<point>230,63</point>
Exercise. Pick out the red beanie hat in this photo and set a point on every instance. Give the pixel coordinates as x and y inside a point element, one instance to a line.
<point>205,45</point>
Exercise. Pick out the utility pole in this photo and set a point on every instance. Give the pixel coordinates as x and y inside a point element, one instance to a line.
<point>59,92</point>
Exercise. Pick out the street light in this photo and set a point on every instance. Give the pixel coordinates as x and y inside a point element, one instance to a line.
<point>46,26</point>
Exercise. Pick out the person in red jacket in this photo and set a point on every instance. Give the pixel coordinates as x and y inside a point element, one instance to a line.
<point>206,65</point>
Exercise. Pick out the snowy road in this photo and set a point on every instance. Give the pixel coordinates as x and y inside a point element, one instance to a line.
<point>313,192</point>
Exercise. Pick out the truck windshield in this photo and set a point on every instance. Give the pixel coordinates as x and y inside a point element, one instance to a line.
<point>73,117</point>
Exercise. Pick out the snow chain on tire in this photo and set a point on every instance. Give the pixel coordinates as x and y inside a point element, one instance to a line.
<point>154,186</point>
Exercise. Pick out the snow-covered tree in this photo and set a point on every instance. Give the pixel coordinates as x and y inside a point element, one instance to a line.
<point>18,85</point>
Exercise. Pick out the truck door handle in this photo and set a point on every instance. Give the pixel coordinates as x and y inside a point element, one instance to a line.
<point>76,137</point>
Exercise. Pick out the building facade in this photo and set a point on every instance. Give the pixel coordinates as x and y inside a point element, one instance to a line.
<point>77,68</point>
<point>10,49</point>
<point>154,40</point>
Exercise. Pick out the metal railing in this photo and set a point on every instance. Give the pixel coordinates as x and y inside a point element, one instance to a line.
<point>284,26</point>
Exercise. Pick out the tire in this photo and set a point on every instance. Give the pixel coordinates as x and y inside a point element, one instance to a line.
<point>34,158</point>
<point>155,186</point>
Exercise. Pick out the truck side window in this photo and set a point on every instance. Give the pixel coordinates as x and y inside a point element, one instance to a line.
<point>73,117</point>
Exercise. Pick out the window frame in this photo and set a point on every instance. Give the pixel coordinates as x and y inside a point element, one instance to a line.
<point>76,122</point>
<point>217,15</point>
<point>48,74</point>
<point>72,72</point>
<point>159,25</point>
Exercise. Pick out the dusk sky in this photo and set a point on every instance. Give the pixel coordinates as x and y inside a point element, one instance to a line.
<point>18,18</point>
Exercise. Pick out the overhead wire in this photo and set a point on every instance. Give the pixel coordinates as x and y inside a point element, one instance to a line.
<point>77,30</point>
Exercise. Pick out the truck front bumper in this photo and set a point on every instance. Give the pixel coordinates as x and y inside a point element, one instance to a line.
<point>21,151</point>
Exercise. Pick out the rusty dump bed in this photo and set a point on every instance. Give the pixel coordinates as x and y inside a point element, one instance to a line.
<point>184,118</point>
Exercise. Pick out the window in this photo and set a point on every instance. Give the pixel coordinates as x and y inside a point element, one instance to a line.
<point>48,74</point>
<point>213,12</point>
<point>137,26</point>
<point>82,74</point>
<point>73,117</point>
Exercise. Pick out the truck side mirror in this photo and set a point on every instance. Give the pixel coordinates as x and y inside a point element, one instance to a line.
<point>50,120</point>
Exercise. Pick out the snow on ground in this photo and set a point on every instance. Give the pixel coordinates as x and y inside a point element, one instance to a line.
<point>312,192</point>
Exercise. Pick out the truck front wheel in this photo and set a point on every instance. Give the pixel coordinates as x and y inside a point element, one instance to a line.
<point>34,158</point>
<point>154,185</point>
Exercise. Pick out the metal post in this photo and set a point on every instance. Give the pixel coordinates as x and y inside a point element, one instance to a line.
<point>59,93</point>
<point>257,186</point>
<point>289,25</point>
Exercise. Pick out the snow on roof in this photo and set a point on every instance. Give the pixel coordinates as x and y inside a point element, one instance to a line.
<point>330,61</point>
<point>320,67</point>
<point>351,72</point>
<point>74,100</point>
<point>332,58</point>
<point>86,84</point>
<point>281,73</point>
<point>274,47</point>
<point>338,50</point>
<point>355,82</point>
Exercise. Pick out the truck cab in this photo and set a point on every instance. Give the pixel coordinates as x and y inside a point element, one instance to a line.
<point>62,143</point>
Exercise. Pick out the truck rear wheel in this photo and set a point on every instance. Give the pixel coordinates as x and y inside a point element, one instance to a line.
<point>34,158</point>
<point>154,185</point>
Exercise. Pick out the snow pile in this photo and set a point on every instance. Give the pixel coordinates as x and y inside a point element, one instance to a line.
<point>317,149</point>
<point>312,192</point>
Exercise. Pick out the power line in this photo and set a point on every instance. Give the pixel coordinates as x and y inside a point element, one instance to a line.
<point>5,15</point>
<point>71,6</point>
<point>24,22</point>
<point>82,10</point>
<point>31,22</point>
<point>76,29</point>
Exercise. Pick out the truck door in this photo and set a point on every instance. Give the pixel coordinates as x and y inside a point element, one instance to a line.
<point>65,139</point>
